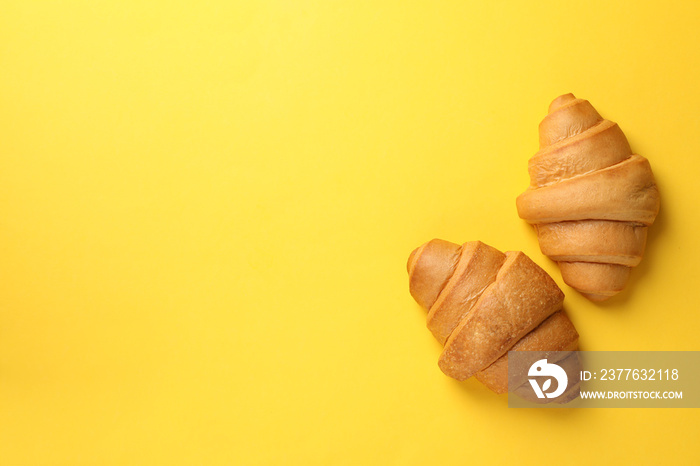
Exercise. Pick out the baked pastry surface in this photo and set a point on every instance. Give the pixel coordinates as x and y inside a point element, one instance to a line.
<point>590,199</point>
<point>482,303</point>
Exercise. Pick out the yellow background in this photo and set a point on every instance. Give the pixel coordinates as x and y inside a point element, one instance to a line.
<point>206,210</point>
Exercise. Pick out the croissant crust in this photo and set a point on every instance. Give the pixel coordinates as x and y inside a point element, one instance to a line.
<point>482,303</point>
<point>591,199</point>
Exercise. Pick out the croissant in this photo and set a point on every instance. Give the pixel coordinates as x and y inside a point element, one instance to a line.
<point>590,198</point>
<point>482,303</point>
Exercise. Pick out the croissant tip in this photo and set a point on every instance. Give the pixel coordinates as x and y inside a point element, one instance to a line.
<point>412,260</point>
<point>561,101</point>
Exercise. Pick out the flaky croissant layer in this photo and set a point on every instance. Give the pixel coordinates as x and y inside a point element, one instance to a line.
<point>482,303</point>
<point>591,199</point>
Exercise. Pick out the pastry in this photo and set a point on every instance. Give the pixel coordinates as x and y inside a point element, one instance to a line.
<point>591,199</point>
<point>482,303</point>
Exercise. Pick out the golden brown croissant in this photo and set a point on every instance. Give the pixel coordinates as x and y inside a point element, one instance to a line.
<point>482,303</point>
<point>590,198</point>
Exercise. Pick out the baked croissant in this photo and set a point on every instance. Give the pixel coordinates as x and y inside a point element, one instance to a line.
<point>590,198</point>
<point>482,303</point>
